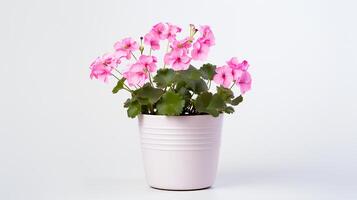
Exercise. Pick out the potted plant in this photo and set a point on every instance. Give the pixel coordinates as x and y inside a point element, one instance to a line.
<point>179,112</point>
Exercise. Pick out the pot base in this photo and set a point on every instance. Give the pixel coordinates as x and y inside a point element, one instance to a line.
<point>181,190</point>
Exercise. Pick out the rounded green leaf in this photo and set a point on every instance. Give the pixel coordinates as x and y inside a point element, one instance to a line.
<point>164,77</point>
<point>134,109</point>
<point>225,93</point>
<point>202,102</point>
<point>170,104</point>
<point>208,71</point>
<point>191,73</point>
<point>148,94</point>
<point>211,104</point>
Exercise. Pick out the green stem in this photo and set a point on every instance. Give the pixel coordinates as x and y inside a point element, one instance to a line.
<point>133,55</point>
<point>150,51</point>
<point>115,77</point>
<point>127,87</point>
<point>118,71</point>
<point>150,79</point>
<point>190,31</point>
<point>151,108</point>
<point>232,85</point>
<point>167,46</point>
<point>209,84</point>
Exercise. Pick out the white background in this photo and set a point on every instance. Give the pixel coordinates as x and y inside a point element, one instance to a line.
<point>64,136</point>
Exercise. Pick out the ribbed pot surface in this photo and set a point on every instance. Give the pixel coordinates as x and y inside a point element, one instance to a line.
<point>180,152</point>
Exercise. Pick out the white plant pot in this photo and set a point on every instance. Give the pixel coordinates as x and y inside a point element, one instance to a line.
<point>180,152</point>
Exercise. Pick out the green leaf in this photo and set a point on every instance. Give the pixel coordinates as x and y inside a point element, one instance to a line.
<point>197,86</point>
<point>225,93</point>
<point>208,71</point>
<point>134,109</point>
<point>192,73</point>
<point>237,100</point>
<point>202,101</point>
<point>216,105</point>
<point>147,94</point>
<point>211,104</point>
<point>164,77</point>
<point>183,91</point>
<point>229,109</point>
<point>170,104</point>
<point>127,103</point>
<point>119,86</point>
<point>191,79</point>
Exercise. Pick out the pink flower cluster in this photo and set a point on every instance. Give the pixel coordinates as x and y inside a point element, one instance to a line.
<point>178,56</point>
<point>125,47</point>
<point>138,72</point>
<point>101,67</point>
<point>236,72</point>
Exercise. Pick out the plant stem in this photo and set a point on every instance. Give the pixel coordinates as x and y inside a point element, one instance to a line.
<point>127,87</point>
<point>150,51</point>
<point>190,31</point>
<point>151,108</point>
<point>232,85</point>
<point>118,71</point>
<point>115,77</point>
<point>167,46</point>
<point>150,79</point>
<point>209,84</point>
<point>122,75</point>
<point>133,55</point>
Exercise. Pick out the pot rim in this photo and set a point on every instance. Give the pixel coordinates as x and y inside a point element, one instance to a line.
<point>179,116</point>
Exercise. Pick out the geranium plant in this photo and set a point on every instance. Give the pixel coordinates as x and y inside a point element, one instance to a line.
<point>177,88</point>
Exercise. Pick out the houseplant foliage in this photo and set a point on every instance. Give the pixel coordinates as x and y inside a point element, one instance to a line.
<point>178,87</point>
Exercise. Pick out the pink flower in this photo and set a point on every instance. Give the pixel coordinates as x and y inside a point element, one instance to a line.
<point>238,68</point>
<point>244,65</point>
<point>199,51</point>
<point>153,41</point>
<point>149,62</point>
<point>235,64</point>
<point>223,76</point>
<point>201,46</point>
<point>171,34</point>
<point>160,31</point>
<point>110,60</point>
<point>244,82</point>
<point>125,47</point>
<point>236,73</point>
<point>207,37</point>
<point>136,75</point>
<point>178,59</point>
<point>102,67</point>
<point>138,72</point>
<point>182,44</point>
